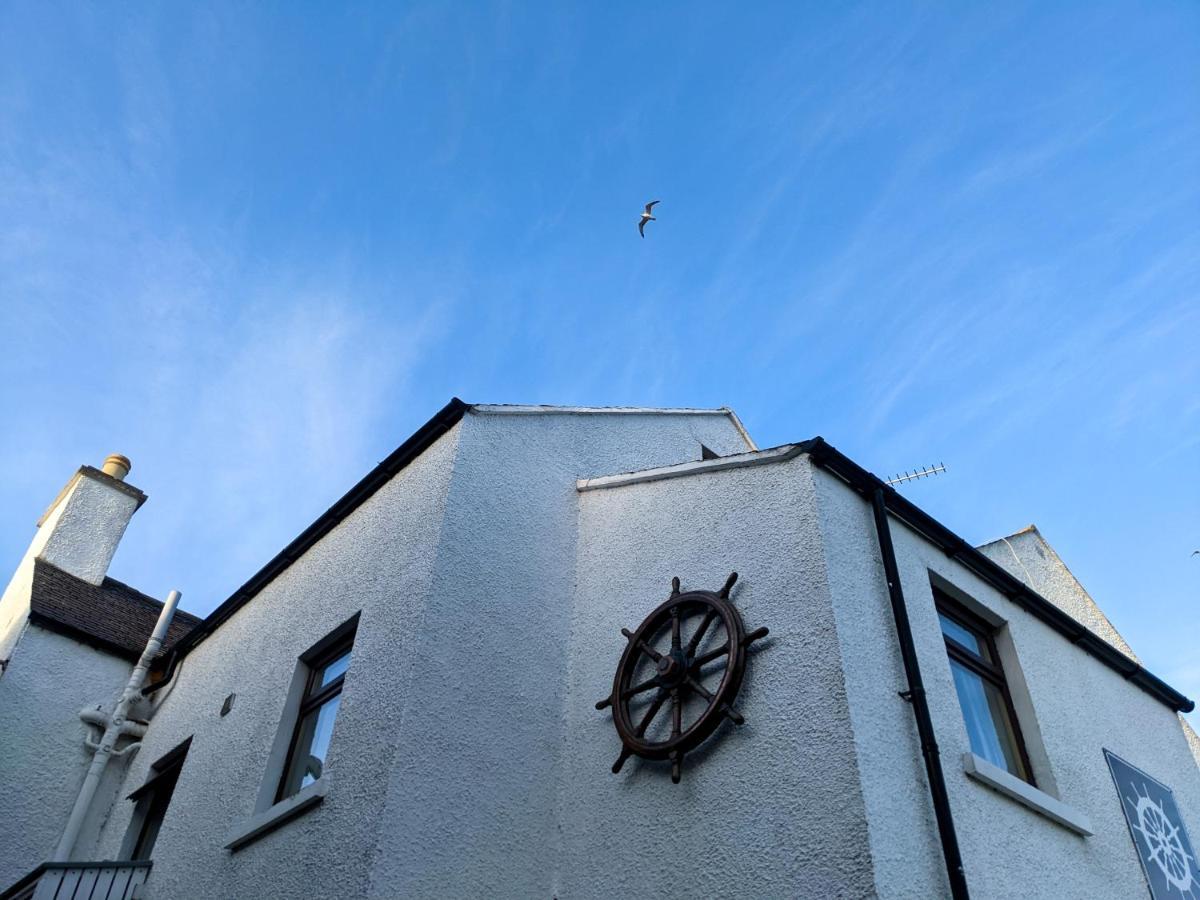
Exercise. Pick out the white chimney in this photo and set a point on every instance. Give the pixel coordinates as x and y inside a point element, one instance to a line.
<point>79,534</point>
<point>80,531</point>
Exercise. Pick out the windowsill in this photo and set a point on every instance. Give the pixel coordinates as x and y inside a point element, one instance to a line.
<point>1026,794</point>
<point>269,819</point>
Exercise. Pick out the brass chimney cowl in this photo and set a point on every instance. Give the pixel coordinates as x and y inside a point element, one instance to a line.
<point>117,466</point>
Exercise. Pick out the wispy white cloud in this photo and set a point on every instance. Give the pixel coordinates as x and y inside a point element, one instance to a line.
<point>247,394</point>
<point>264,422</point>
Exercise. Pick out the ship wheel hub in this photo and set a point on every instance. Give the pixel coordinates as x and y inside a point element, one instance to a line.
<point>672,669</point>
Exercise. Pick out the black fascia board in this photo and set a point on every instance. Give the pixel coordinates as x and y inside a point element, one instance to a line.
<point>420,441</point>
<point>908,513</point>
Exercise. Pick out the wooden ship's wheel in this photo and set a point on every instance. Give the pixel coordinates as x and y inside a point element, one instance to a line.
<point>698,676</point>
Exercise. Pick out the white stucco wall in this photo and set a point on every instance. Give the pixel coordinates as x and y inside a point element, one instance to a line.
<point>468,760</point>
<point>1078,707</point>
<point>768,809</point>
<point>379,560</point>
<point>1193,739</point>
<point>447,753</point>
<point>902,828</point>
<point>14,603</point>
<point>471,812</point>
<point>50,678</point>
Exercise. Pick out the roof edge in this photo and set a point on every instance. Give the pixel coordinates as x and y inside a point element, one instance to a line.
<point>955,547</point>
<point>692,467</point>
<point>417,443</point>
<point>518,409</point>
<point>737,423</point>
<point>822,454</point>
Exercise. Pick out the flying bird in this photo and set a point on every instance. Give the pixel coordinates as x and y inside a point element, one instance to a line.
<point>646,217</point>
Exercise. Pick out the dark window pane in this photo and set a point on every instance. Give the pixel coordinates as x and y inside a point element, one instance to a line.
<point>312,744</point>
<point>988,724</point>
<point>154,808</point>
<point>960,634</point>
<point>334,668</point>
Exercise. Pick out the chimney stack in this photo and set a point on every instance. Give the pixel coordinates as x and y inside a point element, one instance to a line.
<point>80,531</point>
<point>78,534</point>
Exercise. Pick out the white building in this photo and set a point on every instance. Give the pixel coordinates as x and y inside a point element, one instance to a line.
<point>403,702</point>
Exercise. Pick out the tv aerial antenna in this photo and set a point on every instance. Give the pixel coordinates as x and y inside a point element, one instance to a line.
<point>927,472</point>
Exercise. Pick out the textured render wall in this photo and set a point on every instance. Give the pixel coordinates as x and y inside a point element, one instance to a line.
<point>471,804</point>
<point>1080,707</point>
<point>86,536</point>
<point>379,560</point>
<point>444,761</point>
<point>14,605</point>
<point>42,756</point>
<point>1030,558</point>
<point>1193,739</point>
<point>903,832</point>
<point>768,809</point>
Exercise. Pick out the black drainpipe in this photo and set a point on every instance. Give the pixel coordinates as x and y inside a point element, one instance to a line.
<point>916,696</point>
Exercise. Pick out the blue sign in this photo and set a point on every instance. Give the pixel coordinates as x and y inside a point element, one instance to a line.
<point>1158,833</point>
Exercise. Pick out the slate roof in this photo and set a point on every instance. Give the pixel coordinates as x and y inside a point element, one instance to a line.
<point>113,616</point>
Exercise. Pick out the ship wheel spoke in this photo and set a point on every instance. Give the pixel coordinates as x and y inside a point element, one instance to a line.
<point>639,688</point>
<point>705,658</point>
<point>700,689</point>
<point>694,643</point>
<point>726,710</point>
<point>676,714</point>
<point>675,641</point>
<point>642,645</point>
<point>625,754</point>
<point>650,651</point>
<point>650,714</point>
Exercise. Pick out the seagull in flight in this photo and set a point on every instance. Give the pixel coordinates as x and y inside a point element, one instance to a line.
<point>646,217</point>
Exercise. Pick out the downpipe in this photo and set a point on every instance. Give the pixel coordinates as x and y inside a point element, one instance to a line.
<point>916,697</point>
<point>112,728</point>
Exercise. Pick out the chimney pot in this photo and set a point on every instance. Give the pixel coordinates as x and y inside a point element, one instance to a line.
<point>117,466</point>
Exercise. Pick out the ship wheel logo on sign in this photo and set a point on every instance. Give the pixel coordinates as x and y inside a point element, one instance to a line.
<point>689,655</point>
<point>1158,833</point>
<point>1166,846</point>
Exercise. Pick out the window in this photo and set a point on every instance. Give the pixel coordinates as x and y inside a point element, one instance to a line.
<point>982,691</point>
<point>152,800</point>
<point>327,664</point>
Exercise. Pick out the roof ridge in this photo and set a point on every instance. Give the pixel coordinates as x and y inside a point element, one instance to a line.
<point>549,408</point>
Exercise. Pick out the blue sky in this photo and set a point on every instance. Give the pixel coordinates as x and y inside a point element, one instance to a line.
<point>253,247</point>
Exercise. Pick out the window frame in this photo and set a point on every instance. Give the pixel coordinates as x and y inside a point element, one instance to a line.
<point>154,796</point>
<point>316,695</point>
<point>991,671</point>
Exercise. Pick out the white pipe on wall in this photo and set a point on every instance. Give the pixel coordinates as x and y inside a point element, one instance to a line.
<point>114,727</point>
